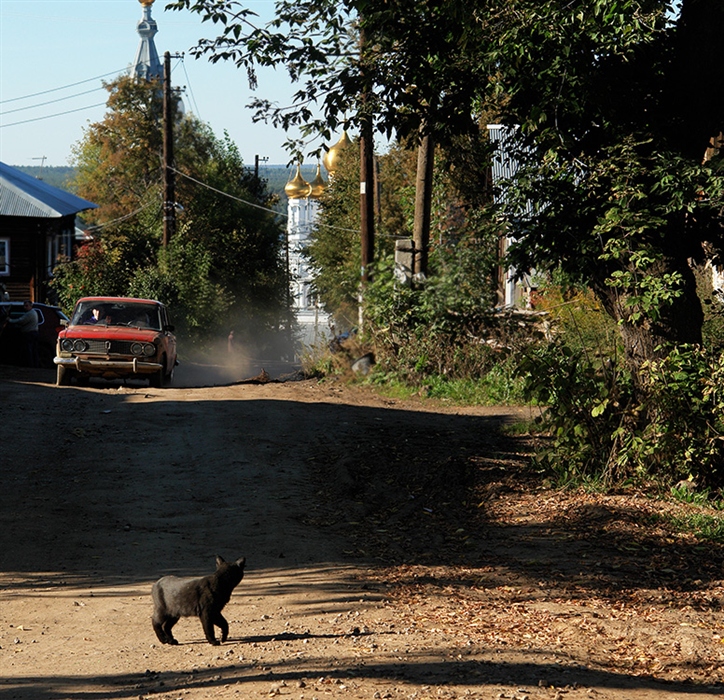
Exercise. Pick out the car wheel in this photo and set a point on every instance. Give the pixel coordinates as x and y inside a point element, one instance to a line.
<point>156,379</point>
<point>64,376</point>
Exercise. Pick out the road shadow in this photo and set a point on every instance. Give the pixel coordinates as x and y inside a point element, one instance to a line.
<point>311,677</point>
<point>141,474</point>
<point>105,491</point>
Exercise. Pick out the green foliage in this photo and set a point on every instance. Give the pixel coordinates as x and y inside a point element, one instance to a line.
<point>118,160</point>
<point>574,314</point>
<point>703,525</point>
<point>418,63</point>
<point>674,429</point>
<point>85,276</point>
<point>610,105</point>
<point>441,337</point>
<point>334,246</point>
<point>444,336</point>
<point>498,386</point>
<point>684,429</point>
<point>713,304</point>
<point>686,492</point>
<point>183,281</point>
<point>582,402</point>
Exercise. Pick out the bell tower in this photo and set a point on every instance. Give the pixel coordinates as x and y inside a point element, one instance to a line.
<point>146,65</point>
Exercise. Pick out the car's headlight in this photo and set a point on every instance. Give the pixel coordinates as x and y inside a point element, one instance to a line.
<point>79,345</point>
<point>66,345</point>
<point>147,349</point>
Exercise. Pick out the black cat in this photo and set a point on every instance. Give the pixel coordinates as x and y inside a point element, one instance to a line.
<point>205,597</point>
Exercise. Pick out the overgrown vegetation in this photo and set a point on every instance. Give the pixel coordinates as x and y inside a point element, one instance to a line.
<point>613,122</point>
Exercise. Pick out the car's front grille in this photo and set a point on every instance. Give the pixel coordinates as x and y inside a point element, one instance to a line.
<point>108,347</point>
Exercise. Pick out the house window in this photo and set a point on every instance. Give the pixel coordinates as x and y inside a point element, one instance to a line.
<point>4,256</point>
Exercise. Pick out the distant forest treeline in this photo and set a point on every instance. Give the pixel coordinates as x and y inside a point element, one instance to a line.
<point>276,176</point>
<point>57,175</point>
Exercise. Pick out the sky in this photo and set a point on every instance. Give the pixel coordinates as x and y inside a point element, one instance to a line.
<point>76,44</point>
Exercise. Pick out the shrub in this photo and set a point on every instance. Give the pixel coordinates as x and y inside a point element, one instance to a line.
<point>597,432</point>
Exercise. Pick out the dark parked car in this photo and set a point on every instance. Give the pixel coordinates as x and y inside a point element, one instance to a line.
<point>117,337</point>
<point>12,346</point>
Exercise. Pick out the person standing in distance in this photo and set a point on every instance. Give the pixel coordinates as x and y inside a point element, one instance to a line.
<point>27,324</point>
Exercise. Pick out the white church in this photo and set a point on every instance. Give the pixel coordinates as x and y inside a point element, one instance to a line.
<point>302,211</point>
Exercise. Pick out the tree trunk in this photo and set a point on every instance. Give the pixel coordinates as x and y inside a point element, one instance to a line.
<point>678,323</point>
<point>423,205</point>
<point>696,85</point>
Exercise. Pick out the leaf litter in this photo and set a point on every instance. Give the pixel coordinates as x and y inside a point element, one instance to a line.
<point>468,541</point>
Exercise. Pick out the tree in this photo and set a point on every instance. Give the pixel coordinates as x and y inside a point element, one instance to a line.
<point>611,186</point>
<point>225,231</point>
<point>615,115</point>
<point>334,247</point>
<point>407,82</point>
<point>461,234</point>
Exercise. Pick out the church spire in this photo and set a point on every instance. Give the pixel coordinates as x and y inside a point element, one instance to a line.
<point>146,65</point>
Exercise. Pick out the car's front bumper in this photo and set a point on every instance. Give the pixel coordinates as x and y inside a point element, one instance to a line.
<point>109,367</point>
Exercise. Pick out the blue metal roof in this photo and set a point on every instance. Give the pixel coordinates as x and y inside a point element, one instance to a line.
<point>24,195</point>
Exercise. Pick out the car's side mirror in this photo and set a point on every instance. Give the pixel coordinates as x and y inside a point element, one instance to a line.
<point>64,322</point>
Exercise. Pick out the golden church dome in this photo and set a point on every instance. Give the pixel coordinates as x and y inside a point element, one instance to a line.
<point>332,156</point>
<point>146,3</point>
<point>318,184</point>
<point>298,187</point>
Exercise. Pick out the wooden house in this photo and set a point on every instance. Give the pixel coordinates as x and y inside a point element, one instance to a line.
<point>37,230</point>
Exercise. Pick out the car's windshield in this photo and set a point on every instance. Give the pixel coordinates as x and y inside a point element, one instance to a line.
<point>110,313</point>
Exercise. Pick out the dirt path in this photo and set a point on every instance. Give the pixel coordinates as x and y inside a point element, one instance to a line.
<point>368,574</point>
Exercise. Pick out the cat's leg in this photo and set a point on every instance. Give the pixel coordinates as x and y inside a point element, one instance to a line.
<point>223,625</point>
<point>168,624</point>
<point>158,629</point>
<point>207,622</point>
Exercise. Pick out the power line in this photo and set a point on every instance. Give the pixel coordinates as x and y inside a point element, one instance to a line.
<point>64,87</point>
<point>50,116</point>
<point>225,194</point>
<point>97,227</point>
<point>252,204</point>
<point>191,92</point>
<point>49,102</point>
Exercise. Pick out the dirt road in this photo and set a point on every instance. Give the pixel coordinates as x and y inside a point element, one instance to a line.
<point>394,550</point>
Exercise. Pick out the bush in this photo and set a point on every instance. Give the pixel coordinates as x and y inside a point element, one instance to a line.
<point>444,338</point>
<point>599,433</point>
<point>182,280</point>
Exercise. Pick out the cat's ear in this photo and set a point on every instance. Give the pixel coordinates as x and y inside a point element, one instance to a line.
<point>219,561</point>
<point>240,562</point>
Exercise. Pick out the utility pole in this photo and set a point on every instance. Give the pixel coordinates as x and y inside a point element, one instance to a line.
<point>258,160</point>
<point>366,184</point>
<point>367,197</point>
<point>169,179</point>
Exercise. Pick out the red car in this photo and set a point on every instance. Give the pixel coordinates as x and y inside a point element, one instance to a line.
<point>117,337</point>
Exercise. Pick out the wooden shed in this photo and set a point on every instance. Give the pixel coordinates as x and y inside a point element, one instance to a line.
<point>37,230</point>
